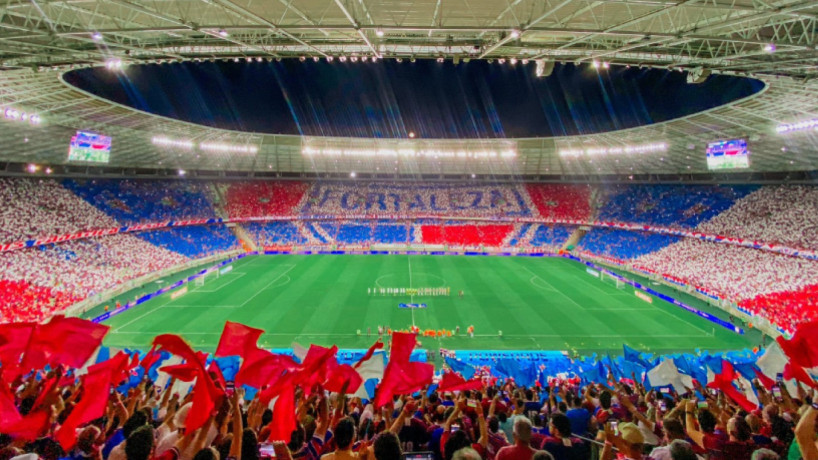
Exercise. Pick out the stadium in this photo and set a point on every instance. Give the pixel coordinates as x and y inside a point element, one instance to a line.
<point>565,229</point>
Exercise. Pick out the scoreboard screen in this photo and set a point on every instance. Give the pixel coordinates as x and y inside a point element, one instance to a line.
<point>730,154</point>
<point>89,147</point>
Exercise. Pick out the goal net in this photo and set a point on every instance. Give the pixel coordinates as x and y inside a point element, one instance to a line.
<point>206,278</point>
<point>610,279</point>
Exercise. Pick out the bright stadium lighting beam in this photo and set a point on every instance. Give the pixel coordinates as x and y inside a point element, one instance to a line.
<point>168,142</point>
<point>229,148</point>
<point>408,153</point>
<point>797,126</point>
<point>616,150</point>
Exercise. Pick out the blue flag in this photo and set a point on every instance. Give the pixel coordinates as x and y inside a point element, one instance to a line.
<point>634,356</point>
<point>466,370</point>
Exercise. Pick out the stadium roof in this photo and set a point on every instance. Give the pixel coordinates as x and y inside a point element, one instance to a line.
<point>771,40</point>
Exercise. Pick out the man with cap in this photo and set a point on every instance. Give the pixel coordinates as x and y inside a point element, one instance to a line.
<point>629,441</point>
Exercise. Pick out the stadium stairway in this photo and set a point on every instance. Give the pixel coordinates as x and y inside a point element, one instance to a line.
<point>306,233</point>
<point>218,207</point>
<point>574,239</point>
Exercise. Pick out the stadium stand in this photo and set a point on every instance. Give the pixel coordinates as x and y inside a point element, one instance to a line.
<point>623,244</point>
<point>39,208</point>
<point>274,233</point>
<point>667,205</point>
<point>454,199</point>
<point>734,272</point>
<point>560,201</point>
<point>195,241</point>
<point>787,309</point>
<point>773,214</point>
<point>23,301</point>
<point>263,198</point>
<point>134,202</point>
<point>465,235</point>
<point>551,236</point>
<point>80,268</point>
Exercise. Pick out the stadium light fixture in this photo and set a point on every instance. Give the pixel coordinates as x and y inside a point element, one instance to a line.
<point>48,170</point>
<point>618,150</point>
<point>182,172</point>
<point>302,58</point>
<point>229,148</point>
<point>515,33</point>
<point>501,60</point>
<point>352,174</point>
<point>411,134</point>
<point>605,65</point>
<point>96,36</point>
<point>223,33</point>
<point>364,58</point>
<point>330,58</point>
<point>113,64</point>
<point>440,59</point>
<point>19,115</point>
<point>513,61</point>
<point>353,58</point>
<point>797,126</point>
<point>525,61</point>
<point>770,48</point>
<point>315,58</point>
<point>379,32</point>
<point>408,153</point>
<point>595,64</point>
<point>168,142</point>
<point>32,168</point>
<point>342,58</point>
<point>398,60</point>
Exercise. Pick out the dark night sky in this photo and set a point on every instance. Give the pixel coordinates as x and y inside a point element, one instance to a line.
<point>388,99</point>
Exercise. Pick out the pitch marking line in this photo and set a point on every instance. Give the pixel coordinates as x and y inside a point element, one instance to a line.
<point>552,287</point>
<point>231,280</point>
<point>268,284</point>
<point>117,330</point>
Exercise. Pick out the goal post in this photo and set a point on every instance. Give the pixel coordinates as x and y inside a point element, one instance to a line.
<point>610,279</point>
<point>207,277</point>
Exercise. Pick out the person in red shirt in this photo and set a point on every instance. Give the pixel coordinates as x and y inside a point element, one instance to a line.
<point>521,450</point>
<point>453,440</point>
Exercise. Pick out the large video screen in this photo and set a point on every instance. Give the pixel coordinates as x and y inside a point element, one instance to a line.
<point>730,154</point>
<point>90,147</point>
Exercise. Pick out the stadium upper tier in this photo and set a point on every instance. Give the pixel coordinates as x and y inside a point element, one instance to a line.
<point>527,217</point>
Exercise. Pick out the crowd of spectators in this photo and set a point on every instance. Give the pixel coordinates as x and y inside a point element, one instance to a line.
<point>561,201</point>
<point>734,272</point>
<point>787,309</point>
<point>193,241</point>
<point>551,236</point>
<point>786,214</point>
<point>145,201</point>
<point>81,268</point>
<point>623,244</point>
<point>23,301</point>
<point>274,233</point>
<point>564,420</point>
<point>396,198</point>
<point>679,206</point>
<point>263,198</point>
<point>42,207</point>
<point>465,235</point>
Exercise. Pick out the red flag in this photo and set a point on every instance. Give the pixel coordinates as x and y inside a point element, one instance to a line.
<point>15,338</point>
<point>68,341</point>
<point>402,376</point>
<point>316,368</point>
<point>205,393</point>
<point>376,346</point>
<point>182,372</point>
<point>237,339</point>
<point>802,349</point>
<point>263,368</point>
<point>342,374</point>
<point>766,381</point>
<point>96,386</point>
<point>794,371</point>
<point>150,359</point>
<point>283,423</point>
<point>454,382</point>
<point>27,428</point>
<point>216,373</point>
<point>724,382</point>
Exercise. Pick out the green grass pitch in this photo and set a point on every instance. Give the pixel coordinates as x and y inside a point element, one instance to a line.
<point>537,303</point>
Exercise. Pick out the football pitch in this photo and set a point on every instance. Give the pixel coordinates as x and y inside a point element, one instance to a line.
<point>538,303</point>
